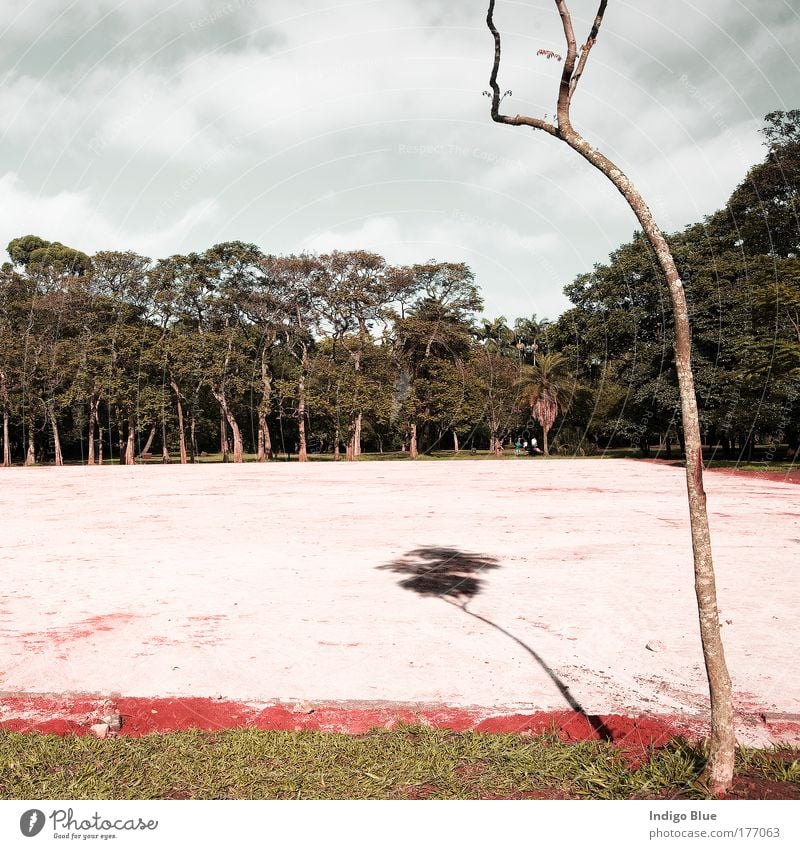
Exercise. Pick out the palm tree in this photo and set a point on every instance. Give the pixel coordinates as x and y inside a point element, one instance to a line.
<point>543,384</point>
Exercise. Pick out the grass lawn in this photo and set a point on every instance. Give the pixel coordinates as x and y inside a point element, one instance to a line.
<point>406,763</point>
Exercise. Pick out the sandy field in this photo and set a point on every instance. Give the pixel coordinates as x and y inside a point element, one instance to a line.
<point>532,586</point>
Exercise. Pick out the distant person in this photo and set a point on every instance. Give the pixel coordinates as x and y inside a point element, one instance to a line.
<point>534,449</point>
<point>517,447</point>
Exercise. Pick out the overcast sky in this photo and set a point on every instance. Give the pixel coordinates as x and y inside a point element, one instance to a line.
<point>165,127</point>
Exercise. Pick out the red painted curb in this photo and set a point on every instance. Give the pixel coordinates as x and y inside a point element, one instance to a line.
<point>140,716</point>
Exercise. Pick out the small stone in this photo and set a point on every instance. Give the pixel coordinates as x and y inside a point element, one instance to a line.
<point>113,721</point>
<point>656,645</point>
<point>100,730</point>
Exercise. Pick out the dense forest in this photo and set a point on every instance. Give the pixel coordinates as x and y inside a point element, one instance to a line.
<point>234,351</point>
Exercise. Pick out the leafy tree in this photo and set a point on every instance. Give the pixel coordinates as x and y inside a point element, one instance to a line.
<point>544,385</point>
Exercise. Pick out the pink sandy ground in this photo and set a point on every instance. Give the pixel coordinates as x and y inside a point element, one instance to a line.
<point>259,585</point>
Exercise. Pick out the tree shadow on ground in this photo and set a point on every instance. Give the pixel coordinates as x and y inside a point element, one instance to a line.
<point>456,577</point>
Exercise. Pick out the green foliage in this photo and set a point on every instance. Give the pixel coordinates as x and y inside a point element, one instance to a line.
<point>344,343</point>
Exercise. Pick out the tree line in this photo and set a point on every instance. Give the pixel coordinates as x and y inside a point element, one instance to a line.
<point>236,351</point>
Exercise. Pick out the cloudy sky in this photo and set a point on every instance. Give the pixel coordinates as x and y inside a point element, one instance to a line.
<point>164,127</point>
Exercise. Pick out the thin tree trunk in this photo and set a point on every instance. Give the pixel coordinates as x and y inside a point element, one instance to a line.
<point>223,438</point>
<point>193,437</point>
<point>412,445</point>
<point>58,457</point>
<point>165,458</point>
<point>302,453</point>
<point>238,453</point>
<point>130,446</point>
<point>181,434</point>
<point>120,436</point>
<point>150,437</point>
<point>336,444</point>
<point>357,437</point>
<point>238,450</point>
<point>93,403</point>
<point>30,457</point>
<point>6,443</point>
<point>100,445</point>
<point>455,442</point>
<point>261,455</point>
<point>264,439</point>
<point>719,769</point>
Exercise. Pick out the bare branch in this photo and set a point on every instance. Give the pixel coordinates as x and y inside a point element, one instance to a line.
<point>598,19</point>
<point>517,120</point>
<point>569,66</point>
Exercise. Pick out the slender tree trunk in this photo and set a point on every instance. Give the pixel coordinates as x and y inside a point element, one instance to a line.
<point>455,442</point>
<point>264,439</point>
<point>223,438</point>
<point>120,435</point>
<point>165,458</point>
<point>261,455</point>
<point>93,404</point>
<point>6,443</point>
<point>412,444</point>
<point>719,771</point>
<point>58,457</point>
<point>238,453</point>
<point>181,434</point>
<point>193,437</point>
<point>238,450</point>
<point>336,437</point>
<point>101,431</point>
<point>357,437</point>
<point>130,446</point>
<point>30,457</point>
<point>150,437</point>
<point>302,453</point>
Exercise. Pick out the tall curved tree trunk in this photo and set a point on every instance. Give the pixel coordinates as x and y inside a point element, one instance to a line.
<point>227,416</point>
<point>181,430</point>
<point>58,457</point>
<point>719,770</point>
<point>148,444</point>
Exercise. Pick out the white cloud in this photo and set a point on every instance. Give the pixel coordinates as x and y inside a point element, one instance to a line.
<point>72,218</point>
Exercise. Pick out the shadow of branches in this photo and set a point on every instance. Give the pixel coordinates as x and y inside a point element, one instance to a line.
<point>446,572</point>
<point>456,577</point>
